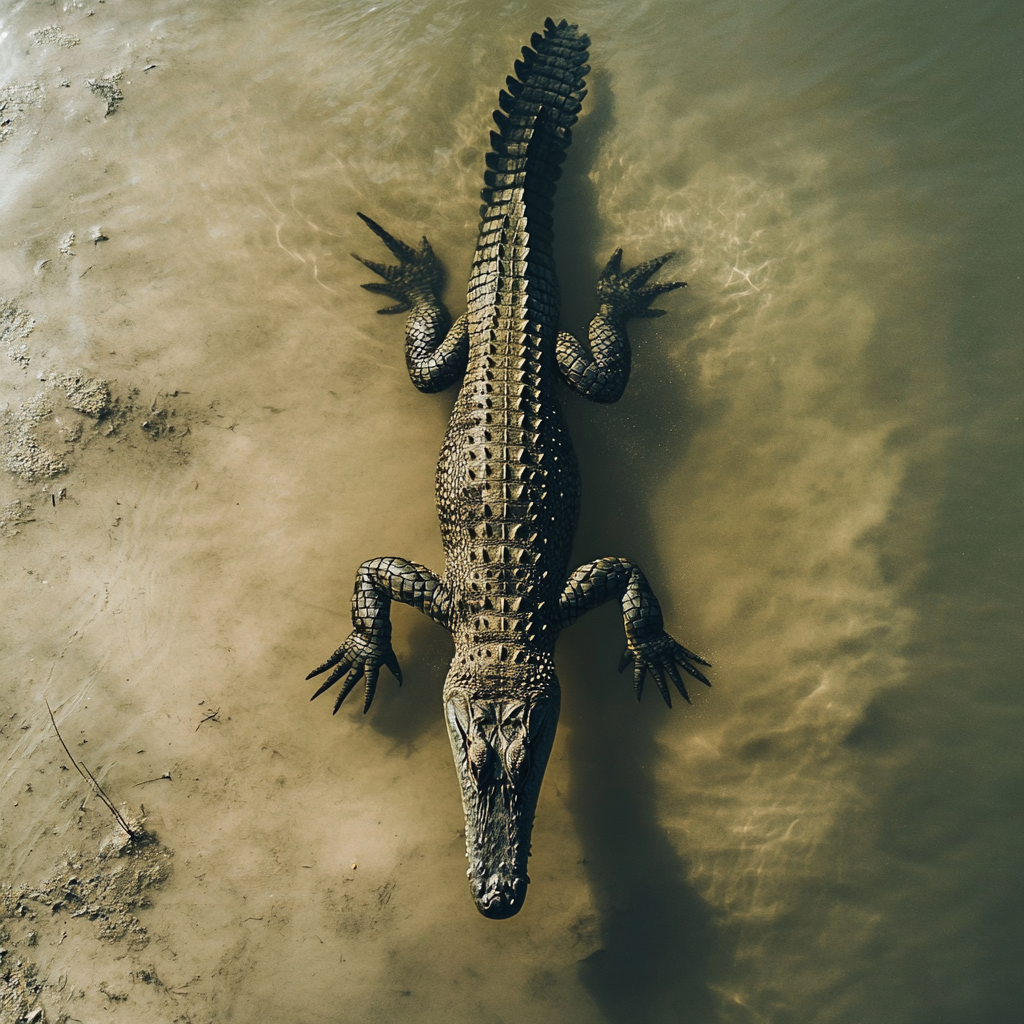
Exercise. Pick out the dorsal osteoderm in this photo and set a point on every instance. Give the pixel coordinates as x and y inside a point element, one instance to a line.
<point>535,117</point>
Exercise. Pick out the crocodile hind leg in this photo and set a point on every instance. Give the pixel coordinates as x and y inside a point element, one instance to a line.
<point>368,647</point>
<point>649,647</point>
<point>601,373</point>
<point>436,356</point>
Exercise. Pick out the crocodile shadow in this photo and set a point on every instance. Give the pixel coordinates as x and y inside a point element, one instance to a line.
<point>659,938</point>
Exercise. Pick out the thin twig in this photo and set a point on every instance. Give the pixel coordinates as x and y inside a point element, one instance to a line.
<point>89,777</point>
<point>211,716</point>
<point>110,804</point>
<point>159,778</point>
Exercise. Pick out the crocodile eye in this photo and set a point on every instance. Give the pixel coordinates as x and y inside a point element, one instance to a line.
<point>479,758</point>
<point>515,759</point>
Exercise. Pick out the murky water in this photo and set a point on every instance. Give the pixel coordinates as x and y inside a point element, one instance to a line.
<point>817,462</point>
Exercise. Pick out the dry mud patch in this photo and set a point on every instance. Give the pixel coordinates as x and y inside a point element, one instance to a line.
<point>61,938</point>
<point>43,437</point>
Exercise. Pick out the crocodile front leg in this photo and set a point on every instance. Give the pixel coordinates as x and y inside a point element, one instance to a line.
<point>649,646</point>
<point>602,373</point>
<point>378,583</point>
<point>436,356</point>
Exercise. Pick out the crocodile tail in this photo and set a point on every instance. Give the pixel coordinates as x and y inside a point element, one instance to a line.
<point>536,116</point>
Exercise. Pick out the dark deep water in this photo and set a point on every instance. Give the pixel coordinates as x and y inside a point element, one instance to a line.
<point>818,463</point>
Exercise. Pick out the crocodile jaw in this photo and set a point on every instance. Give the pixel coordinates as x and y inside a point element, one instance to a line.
<point>501,746</point>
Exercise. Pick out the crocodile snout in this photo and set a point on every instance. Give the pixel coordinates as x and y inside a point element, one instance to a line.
<point>501,744</point>
<point>498,898</point>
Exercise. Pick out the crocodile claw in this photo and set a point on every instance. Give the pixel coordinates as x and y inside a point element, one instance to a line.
<point>417,277</point>
<point>356,658</point>
<point>626,293</point>
<point>404,252</point>
<point>660,657</point>
<point>379,288</point>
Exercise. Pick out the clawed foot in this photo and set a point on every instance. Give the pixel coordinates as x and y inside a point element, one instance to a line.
<point>418,277</point>
<point>357,656</point>
<point>626,293</point>
<point>660,657</point>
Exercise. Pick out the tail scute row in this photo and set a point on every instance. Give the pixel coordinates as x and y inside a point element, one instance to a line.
<point>536,113</point>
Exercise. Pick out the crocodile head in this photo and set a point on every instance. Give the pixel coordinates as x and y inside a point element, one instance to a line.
<point>501,730</point>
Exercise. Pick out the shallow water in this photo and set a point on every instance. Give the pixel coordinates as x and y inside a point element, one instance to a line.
<point>817,463</point>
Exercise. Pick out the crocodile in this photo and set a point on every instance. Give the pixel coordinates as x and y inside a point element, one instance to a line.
<point>508,485</point>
